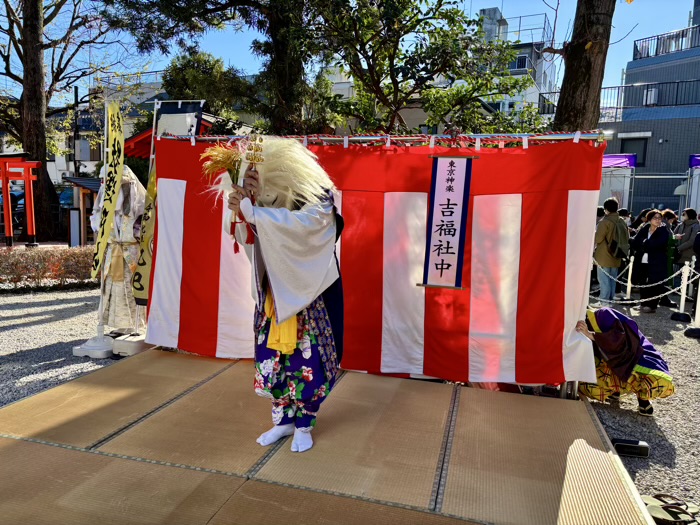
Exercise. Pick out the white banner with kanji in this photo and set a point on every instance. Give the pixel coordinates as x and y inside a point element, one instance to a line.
<point>449,201</point>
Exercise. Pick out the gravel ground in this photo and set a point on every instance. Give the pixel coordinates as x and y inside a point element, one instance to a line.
<point>37,334</point>
<point>673,434</point>
<point>39,330</point>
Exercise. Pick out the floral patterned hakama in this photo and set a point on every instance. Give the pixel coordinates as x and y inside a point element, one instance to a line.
<point>297,383</point>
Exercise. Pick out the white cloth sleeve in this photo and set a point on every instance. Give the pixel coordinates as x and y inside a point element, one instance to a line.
<point>297,249</point>
<point>97,209</point>
<point>247,210</point>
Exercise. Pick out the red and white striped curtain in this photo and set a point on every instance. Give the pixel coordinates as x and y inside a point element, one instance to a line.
<point>525,277</point>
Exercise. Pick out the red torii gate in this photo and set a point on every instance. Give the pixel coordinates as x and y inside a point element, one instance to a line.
<point>16,167</point>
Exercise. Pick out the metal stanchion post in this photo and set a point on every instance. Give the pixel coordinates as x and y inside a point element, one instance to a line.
<point>565,390</point>
<point>574,390</point>
<point>680,315</point>
<point>694,331</point>
<point>629,278</point>
<point>691,289</point>
<point>684,285</point>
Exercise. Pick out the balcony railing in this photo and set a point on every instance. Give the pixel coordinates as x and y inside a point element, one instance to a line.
<point>666,43</point>
<point>614,101</point>
<point>528,29</point>
<point>150,77</point>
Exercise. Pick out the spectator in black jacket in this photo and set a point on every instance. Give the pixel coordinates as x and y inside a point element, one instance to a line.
<point>640,220</point>
<point>650,245</point>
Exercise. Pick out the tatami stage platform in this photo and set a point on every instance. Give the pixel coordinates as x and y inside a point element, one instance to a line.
<point>166,438</point>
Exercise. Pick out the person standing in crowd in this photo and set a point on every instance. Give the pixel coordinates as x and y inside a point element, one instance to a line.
<point>640,220</point>
<point>624,214</point>
<point>650,252</point>
<point>626,361</point>
<point>607,262</point>
<point>600,213</point>
<point>685,233</point>
<point>637,223</point>
<point>670,219</point>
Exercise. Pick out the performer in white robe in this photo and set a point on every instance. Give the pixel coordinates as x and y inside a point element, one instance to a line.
<point>121,255</point>
<point>287,203</point>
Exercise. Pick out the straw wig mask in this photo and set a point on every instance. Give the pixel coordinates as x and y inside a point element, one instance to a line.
<point>290,175</point>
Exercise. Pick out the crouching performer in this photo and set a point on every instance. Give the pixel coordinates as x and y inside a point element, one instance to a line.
<point>283,213</point>
<point>626,361</point>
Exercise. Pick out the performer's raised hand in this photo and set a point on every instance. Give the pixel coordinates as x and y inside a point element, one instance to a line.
<point>251,181</point>
<point>234,199</point>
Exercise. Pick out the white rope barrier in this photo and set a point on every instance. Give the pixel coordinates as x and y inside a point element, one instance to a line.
<point>638,285</point>
<point>627,302</point>
<point>646,299</point>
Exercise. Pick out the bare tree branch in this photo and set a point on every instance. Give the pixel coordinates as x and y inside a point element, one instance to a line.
<point>13,22</point>
<point>553,51</point>
<point>12,14</point>
<point>628,34</point>
<point>49,17</point>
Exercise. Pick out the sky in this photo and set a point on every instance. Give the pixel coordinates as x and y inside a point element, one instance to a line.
<point>641,19</point>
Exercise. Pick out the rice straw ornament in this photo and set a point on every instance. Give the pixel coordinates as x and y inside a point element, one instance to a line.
<point>227,158</point>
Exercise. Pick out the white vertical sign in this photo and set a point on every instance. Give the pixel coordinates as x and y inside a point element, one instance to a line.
<point>449,201</point>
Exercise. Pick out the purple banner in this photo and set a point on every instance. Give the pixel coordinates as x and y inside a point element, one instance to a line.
<point>694,161</point>
<point>620,160</point>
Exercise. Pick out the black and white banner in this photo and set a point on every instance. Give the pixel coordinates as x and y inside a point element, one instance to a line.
<point>447,221</point>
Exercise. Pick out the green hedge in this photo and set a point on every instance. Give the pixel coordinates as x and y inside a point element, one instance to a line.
<point>38,267</point>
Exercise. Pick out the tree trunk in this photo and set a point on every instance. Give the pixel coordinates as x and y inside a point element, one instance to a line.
<point>286,66</point>
<point>578,108</point>
<point>34,117</point>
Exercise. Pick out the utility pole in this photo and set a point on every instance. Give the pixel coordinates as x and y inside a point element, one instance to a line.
<point>76,133</point>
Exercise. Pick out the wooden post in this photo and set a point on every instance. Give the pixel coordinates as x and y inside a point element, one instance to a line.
<point>6,202</point>
<point>28,178</point>
<point>83,228</point>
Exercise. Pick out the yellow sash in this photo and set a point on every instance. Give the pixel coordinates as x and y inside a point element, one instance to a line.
<point>116,267</point>
<point>594,324</point>
<point>282,337</point>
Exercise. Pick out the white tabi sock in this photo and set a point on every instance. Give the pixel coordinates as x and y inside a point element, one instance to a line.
<point>302,441</point>
<point>275,434</point>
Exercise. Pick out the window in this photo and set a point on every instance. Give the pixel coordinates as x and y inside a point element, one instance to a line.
<point>520,62</point>
<point>638,146</point>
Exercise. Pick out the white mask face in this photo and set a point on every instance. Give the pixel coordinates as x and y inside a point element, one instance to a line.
<point>267,199</point>
<point>628,221</point>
